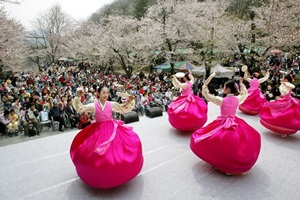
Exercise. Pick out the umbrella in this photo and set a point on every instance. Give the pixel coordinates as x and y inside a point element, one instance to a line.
<point>62,58</point>
<point>276,51</point>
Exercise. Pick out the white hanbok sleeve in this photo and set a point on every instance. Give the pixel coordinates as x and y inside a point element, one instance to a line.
<point>243,93</point>
<point>123,108</point>
<point>177,84</point>
<point>265,78</point>
<point>285,88</point>
<point>87,108</point>
<point>210,97</point>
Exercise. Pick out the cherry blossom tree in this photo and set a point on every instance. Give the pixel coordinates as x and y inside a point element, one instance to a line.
<point>86,43</point>
<point>51,31</point>
<point>278,23</point>
<point>184,24</point>
<point>115,40</point>
<point>12,40</point>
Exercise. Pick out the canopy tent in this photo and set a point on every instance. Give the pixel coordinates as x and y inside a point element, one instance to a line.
<point>222,72</point>
<point>199,71</point>
<point>163,67</point>
<point>183,65</point>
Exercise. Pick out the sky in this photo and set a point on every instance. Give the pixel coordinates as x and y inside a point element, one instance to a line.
<point>29,10</point>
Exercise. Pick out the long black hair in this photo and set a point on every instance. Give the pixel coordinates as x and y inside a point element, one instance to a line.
<point>233,86</point>
<point>186,75</point>
<point>289,77</point>
<point>99,90</point>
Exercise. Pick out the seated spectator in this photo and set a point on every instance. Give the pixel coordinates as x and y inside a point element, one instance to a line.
<point>4,121</point>
<point>73,115</point>
<point>16,106</point>
<point>169,93</point>
<point>165,103</point>
<point>145,101</point>
<point>7,100</point>
<point>31,118</point>
<point>48,103</point>
<point>152,102</point>
<point>58,115</point>
<point>84,121</point>
<point>13,126</point>
<point>220,90</point>
<point>89,99</point>
<point>26,104</point>
<point>138,106</point>
<point>269,93</point>
<point>38,105</point>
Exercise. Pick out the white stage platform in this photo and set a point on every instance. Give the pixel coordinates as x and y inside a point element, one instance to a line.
<point>41,169</point>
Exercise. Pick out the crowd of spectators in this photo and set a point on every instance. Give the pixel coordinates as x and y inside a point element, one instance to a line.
<point>25,95</point>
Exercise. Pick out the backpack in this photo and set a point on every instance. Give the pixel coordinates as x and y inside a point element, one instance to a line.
<point>31,131</point>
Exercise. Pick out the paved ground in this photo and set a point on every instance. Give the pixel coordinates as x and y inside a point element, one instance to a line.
<point>40,168</point>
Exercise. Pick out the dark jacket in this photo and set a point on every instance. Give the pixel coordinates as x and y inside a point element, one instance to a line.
<point>56,112</point>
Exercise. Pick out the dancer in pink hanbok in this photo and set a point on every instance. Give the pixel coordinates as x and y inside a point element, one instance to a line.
<point>188,112</point>
<point>283,115</point>
<point>255,100</point>
<point>228,143</point>
<point>106,153</point>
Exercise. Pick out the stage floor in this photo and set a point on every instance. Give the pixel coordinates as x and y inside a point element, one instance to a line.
<point>41,168</point>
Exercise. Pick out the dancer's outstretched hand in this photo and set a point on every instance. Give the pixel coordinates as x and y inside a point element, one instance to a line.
<point>241,80</point>
<point>207,81</point>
